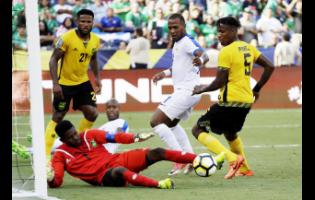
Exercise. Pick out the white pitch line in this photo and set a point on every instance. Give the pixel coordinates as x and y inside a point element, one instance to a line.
<point>263,146</point>
<point>248,126</point>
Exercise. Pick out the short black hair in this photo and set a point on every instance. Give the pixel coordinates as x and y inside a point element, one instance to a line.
<point>286,36</point>
<point>139,31</point>
<point>85,12</point>
<point>177,16</point>
<point>112,101</point>
<point>63,127</point>
<point>230,21</point>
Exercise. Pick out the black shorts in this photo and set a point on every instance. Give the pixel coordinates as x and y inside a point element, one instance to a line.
<point>82,94</point>
<point>221,119</point>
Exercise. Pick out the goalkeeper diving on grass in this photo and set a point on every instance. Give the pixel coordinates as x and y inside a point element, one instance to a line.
<point>83,156</point>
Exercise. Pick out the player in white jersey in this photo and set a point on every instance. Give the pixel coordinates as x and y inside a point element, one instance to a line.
<point>114,124</point>
<point>188,57</point>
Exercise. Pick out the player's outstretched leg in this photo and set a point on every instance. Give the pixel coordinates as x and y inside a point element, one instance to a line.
<point>120,176</point>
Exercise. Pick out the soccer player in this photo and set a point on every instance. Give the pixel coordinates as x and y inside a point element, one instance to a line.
<point>115,123</point>
<point>188,57</point>
<point>236,60</point>
<point>76,49</point>
<point>83,156</point>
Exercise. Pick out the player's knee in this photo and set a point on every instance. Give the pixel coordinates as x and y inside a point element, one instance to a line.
<point>154,122</point>
<point>195,131</point>
<point>117,172</point>
<point>58,116</point>
<point>155,155</point>
<point>91,114</point>
<point>230,136</point>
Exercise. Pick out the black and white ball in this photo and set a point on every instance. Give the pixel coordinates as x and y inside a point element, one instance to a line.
<point>204,165</point>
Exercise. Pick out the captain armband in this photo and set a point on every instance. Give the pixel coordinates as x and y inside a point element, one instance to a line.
<point>110,138</point>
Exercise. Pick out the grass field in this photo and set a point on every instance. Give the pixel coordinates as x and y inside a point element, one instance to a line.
<point>273,145</point>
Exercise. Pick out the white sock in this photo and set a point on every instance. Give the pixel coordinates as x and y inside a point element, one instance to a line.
<point>167,136</point>
<point>182,138</point>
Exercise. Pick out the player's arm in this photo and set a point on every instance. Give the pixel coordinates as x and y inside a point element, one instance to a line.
<point>200,58</point>
<point>268,70</point>
<point>94,66</point>
<point>103,137</point>
<point>161,75</point>
<point>55,171</point>
<point>220,80</point>
<point>53,67</point>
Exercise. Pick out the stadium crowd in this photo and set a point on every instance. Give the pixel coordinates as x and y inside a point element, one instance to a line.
<point>264,22</point>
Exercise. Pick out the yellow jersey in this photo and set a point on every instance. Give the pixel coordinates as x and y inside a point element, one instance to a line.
<point>75,62</point>
<point>239,58</point>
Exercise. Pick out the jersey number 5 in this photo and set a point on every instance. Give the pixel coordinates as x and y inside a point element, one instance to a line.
<point>247,64</point>
<point>83,57</point>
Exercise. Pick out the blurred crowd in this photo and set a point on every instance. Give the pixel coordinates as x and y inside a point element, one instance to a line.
<point>264,22</point>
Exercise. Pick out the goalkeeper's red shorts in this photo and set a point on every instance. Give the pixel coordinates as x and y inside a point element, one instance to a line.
<point>134,160</point>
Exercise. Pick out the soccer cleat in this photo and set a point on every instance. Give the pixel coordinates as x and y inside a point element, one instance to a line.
<point>166,184</point>
<point>220,159</point>
<point>188,168</point>
<point>245,173</point>
<point>176,169</point>
<point>234,167</point>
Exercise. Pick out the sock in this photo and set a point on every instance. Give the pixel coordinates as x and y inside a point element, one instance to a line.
<point>50,136</point>
<point>179,156</point>
<point>237,147</point>
<point>215,146</point>
<point>167,136</point>
<point>137,179</point>
<point>182,138</point>
<point>84,125</point>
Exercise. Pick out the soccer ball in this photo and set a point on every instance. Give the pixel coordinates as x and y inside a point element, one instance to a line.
<point>204,165</point>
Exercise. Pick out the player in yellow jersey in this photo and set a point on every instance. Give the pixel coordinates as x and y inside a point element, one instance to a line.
<point>236,60</point>
<point>75,49</point>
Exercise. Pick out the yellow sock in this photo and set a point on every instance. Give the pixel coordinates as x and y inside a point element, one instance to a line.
<point>237,147</point>
<point>84,125</point>
<point>215,146</point>
<point>50,136</point>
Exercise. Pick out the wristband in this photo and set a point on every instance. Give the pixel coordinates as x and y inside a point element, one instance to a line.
<point>202,60</point>
<point>167,72</point>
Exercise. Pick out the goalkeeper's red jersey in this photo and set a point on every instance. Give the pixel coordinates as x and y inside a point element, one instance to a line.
<point>90,160</point>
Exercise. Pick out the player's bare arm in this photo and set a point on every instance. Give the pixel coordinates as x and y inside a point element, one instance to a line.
<point>268,70</point>
<point>53,67</point>
<point>200,58</point>
<point>220,80</point>
<point>94,66</point>
<point>161,75</point>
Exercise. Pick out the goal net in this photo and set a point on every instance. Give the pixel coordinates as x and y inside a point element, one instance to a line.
<point>28,148</point>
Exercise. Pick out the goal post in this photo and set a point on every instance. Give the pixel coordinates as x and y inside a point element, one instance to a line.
<point>36,97</point>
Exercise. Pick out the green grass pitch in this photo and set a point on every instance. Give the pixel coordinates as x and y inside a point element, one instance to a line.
<point>273,146</point>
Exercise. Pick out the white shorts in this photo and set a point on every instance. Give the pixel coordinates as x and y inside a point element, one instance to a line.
<point>179,105</point>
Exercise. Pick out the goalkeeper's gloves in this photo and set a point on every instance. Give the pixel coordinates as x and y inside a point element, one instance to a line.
<point>139,137</point>
<point>50,172</point>
<point>20,150</point>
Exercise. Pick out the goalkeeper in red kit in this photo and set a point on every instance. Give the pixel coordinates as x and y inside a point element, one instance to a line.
<point>83,156</point>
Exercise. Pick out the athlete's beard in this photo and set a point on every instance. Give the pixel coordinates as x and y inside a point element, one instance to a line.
<point>84,34</point>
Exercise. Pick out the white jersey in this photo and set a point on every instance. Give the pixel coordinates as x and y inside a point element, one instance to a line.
<point>111,127</point>
<point>184,74</point>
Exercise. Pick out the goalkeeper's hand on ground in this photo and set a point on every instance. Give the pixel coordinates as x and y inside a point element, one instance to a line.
<point>139,137</point>
<point>50,172</point>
